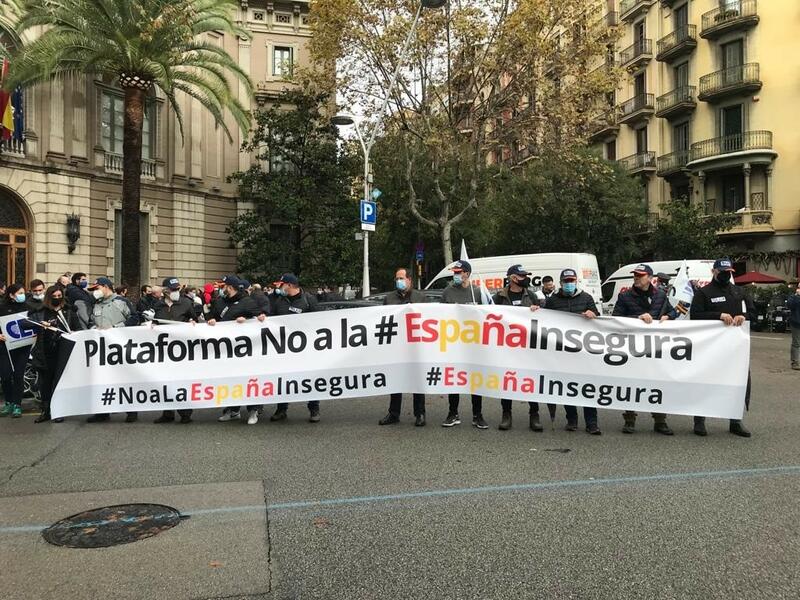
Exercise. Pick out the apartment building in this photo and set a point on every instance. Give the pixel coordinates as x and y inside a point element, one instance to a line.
<point>706,113</point>
<point>60,184</point>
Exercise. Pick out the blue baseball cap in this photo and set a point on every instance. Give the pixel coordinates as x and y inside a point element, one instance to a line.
<point>568,274</point>
<point>289,278</point>
<point>643,270</point>
<point>723,264</point>
<point>172,283</point>
<point>105,281</point>
<point>232,280</point>
<point>461,266</point>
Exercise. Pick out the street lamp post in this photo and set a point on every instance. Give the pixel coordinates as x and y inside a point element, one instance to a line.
<point>344,119</point>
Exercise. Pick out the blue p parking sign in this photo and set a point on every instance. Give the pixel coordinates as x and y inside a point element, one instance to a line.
<point>369,215</point>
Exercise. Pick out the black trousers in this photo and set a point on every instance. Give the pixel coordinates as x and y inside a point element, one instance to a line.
<point>282,406</point>
<point>589,414</point>
<point>46,387</point>
<point>396,403</point>
<point>533,407</point>
<point>12,373</point>
<point>184,412</point>
<point>477,404</point>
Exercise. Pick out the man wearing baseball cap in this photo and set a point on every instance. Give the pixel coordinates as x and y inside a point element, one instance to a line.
<point>518,293</point>
<point>572,300</point>
<point>720,300</point>
<point>463,292</point>
<point>174,307</point>
<point>290,299</point>
<point>644,302</point>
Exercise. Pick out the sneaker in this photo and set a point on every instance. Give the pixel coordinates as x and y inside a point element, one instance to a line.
<point>662,428</point>
<point>593,429</point>
<point>313,415</point>
<point>252,418</point>
<point>185,419</point>
<point>452,419</point>
<point>164,419</point>
<point>58,420</point>
<point>629,427</point>
<point>420,421</point>
<point>278,415</point>
<point>736,428</point>
<point>131,417</point>
<point>389,419</point>
<point>505,423</point>
<point>42,418</point>
<point>535,424</point>
<point>98,418</point>
<point>796,366</point>
<point>231,415</point>
<point>571,426</point>
<point>477,421</point>
<point>8,408</point>
<point>16,412</point>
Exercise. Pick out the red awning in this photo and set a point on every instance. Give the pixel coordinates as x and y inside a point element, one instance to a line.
<point>756,277</point>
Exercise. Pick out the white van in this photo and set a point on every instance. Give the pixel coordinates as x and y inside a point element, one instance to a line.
<point>492,271</point>
<point>622,278</point>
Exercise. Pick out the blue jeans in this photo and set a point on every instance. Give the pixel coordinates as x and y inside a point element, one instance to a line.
<point>589,414</point>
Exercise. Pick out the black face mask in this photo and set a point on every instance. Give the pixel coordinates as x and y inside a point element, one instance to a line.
<point>524,283</point>
<point>56,302</point>
<point>724,277</point>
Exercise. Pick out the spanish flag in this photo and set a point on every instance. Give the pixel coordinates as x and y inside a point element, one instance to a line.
<point>6,110</point>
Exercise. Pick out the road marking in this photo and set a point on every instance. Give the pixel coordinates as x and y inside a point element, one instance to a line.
<point>494,489</point>
<point>763,337</point>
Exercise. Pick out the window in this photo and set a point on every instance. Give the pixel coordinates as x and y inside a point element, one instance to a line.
<point>681,16</point>
<point>682,75</point>
<point>144,245</point>
<point>112,122</point>
<point>641,140</point>
<point>639,85</point>
<point>732,58</point>
<point>611,150</point>
<point>732,127</point>
<point>282,60</point>
<point>680,138</point>
<point>732,192</point>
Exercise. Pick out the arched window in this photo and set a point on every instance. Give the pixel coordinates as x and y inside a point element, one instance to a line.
<point>13,240</point>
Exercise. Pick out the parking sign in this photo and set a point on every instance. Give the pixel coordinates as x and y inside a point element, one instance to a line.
<point>369,215</point>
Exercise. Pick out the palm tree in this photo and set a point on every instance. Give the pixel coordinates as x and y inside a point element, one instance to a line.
<point>9,16</point>
<point>142,44</point>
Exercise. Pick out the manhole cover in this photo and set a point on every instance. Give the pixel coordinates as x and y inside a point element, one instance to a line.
<point>112,525</point>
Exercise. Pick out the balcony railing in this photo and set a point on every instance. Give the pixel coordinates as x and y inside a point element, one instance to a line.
<point>731,14</point>
<point>674,162</point>
<point>728,144</point>
<point>642,102</point>
<point>12,147</point>
<point>638,162</point>
<point>630,8</point>
<point>739,78</point>
<point>114,164</point>
<point>639,50</point>
<point>676,101</point>
<point>605,124</point>
<point>684,38</point>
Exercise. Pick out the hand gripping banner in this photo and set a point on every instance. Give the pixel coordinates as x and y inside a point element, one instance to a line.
<point>686,367</point>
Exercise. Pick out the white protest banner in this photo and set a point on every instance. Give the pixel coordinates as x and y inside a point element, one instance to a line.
<point>690,368</point>
<point>18,331</point>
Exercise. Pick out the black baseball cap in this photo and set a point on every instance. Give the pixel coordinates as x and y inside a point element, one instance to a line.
<point>723,264</point>
<point>461,266</point>
<point>517,270</point>
<point>105,281</point>
<point>643,270</point>
<point>171,283</point>
<point>289,278</point>
<point>569,274</point>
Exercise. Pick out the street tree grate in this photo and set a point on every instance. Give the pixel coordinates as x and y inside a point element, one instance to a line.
<point>112,525</point>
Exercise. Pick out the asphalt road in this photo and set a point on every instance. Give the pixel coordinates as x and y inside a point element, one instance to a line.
<point>346,509</point>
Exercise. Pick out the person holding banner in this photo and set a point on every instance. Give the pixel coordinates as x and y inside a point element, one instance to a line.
<point>13,362</point>
<point>174,307</point>
<point>404,294</point>
<point>645,302</point>
<point>44,357</point>
<point>235,305</point>
<point>720,300</point>
<point>463,292</point>
<point>518,293</point>
<point>290,299</point>
<point>793,302</point>
<point>572,300</point>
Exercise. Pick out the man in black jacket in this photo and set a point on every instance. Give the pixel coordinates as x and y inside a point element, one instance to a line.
<point>235,305</point>
<point>174,307</point>
<point>570,299</point>
<point>404,294</point>
<point>518,293</point>
<point>645,302</point>
<point>720,300</point>
<point>290,299</point>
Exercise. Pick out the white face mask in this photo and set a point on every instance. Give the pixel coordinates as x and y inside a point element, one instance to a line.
<point>98,294</point>
<point>174,296</point>
<point>38,296</point>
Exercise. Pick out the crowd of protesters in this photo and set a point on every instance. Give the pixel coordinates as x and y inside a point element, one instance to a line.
<point>73,303</point>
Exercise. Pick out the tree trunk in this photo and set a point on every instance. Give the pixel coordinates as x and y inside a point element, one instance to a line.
<point>447,246</point>
<point>131,190</point>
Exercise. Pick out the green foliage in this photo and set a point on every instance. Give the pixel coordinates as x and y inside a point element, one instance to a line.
<point>685,231</point>
<point>303,217</point>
